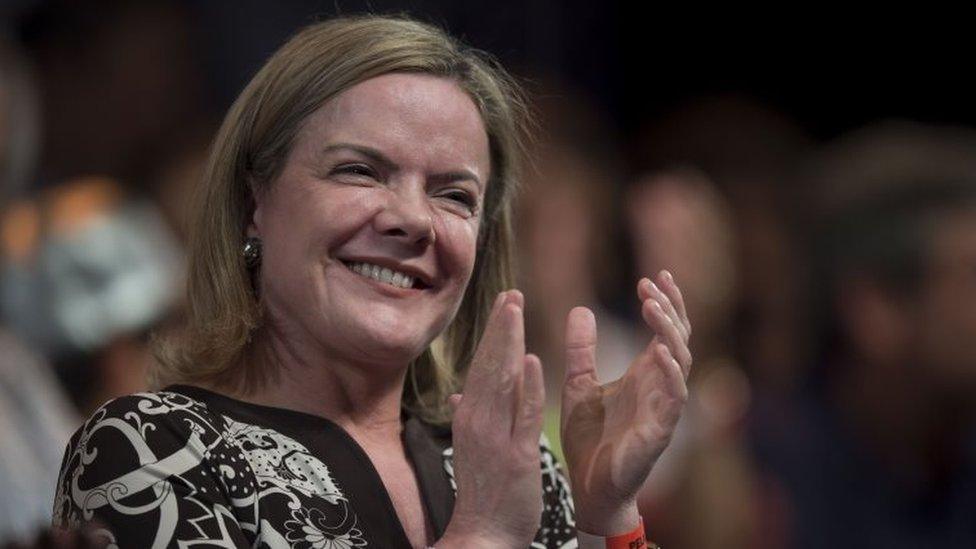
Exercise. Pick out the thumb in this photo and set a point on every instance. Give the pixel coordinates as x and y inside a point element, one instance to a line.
<point>581,344</point>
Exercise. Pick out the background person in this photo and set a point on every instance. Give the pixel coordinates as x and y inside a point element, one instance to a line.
<point>35,415</point>
<point>878,451</point>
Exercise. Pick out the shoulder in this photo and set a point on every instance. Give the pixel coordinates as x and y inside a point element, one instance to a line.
<point>144,426</point>
<point>106,458</point>
<point>143,461</point>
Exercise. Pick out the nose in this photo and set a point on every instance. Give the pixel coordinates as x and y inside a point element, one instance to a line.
<point>406,216</point>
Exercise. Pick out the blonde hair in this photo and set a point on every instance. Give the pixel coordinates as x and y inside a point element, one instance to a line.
<point>249,152</point>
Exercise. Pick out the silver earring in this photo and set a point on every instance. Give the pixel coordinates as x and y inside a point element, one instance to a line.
<point>251,251</point>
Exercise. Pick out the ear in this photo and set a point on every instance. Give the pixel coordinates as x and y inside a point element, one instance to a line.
<point>255,203</point>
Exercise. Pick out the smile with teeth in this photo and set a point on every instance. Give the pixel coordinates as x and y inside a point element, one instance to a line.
<point>381,274</point>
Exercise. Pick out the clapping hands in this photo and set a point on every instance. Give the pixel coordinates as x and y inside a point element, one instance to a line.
<point>612,433</point>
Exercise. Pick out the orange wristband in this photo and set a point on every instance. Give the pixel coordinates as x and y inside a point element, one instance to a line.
<point>631,540</point>
<point>634,539</point>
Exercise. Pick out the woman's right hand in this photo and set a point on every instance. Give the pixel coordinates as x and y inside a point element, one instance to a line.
<point>496,430</point>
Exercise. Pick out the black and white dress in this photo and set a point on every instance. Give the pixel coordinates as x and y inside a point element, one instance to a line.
<point>186,467</point>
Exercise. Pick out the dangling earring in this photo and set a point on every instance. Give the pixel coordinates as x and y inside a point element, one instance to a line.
<point>251,251</point>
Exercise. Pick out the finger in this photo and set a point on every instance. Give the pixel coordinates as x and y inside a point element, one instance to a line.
<point>500,300</point>
<point>507,351</point>
<point>515,297</point>
<point>454,401</point>
<point>491,323</point>
<point>675,383</point>
<point>664,393</point>
<point>660,373</point>
<point>581,344</point>
<point>644,290</point>
<point>495,391</point>
<point>508,297</point>
<point>528,421</point>
<point>481,363</point>
<point>516,331</point>
<point>667,330</point>
<point>670,287</point>
<point>650,290</point>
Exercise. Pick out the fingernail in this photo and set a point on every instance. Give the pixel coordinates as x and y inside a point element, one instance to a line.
<point>667,276</point>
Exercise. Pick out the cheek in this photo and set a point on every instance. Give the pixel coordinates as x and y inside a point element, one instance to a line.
<point>297,231</point>
<point>290,242</point>
<point>326,215</point>
<point>457,241</point>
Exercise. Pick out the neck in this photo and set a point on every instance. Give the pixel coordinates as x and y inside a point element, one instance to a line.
<point>364,399</point>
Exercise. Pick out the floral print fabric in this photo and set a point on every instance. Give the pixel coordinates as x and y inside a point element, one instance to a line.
<point>189,468</point>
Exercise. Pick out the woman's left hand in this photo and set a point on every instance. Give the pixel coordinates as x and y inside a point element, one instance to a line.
<point>613,434</point>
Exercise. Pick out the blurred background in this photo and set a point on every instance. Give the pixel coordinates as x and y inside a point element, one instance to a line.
<point>812,191</point>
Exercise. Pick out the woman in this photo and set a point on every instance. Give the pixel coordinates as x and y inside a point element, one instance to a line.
<point>351,252</point>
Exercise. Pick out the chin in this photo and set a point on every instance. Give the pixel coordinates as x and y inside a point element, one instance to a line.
<point>386,351</point>
<point>392,343</point>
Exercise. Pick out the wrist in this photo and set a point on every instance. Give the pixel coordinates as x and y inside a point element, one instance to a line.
<point>632,539</point>
<point>610,523</point>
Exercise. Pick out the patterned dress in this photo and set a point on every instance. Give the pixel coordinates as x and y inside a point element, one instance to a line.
<point>186,467</point>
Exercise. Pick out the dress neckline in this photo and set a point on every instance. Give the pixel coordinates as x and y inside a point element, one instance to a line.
<point>419,439</point>
<point>295,419</point>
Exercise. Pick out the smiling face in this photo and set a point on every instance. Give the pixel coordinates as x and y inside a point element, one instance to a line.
<point>369,233</point>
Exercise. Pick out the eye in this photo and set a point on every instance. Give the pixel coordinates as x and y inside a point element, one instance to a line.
<point>460,197</point>
<point>356,170</point>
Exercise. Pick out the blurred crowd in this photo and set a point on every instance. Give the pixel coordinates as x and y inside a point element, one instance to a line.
<point>831,283</point>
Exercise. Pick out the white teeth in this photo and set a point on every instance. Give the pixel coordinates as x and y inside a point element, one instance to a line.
<point>382,274</point>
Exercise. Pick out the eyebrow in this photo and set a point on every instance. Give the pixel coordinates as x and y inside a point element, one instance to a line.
<point>388,164</point>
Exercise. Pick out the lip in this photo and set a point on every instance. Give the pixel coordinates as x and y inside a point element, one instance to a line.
<point>424,278</point>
